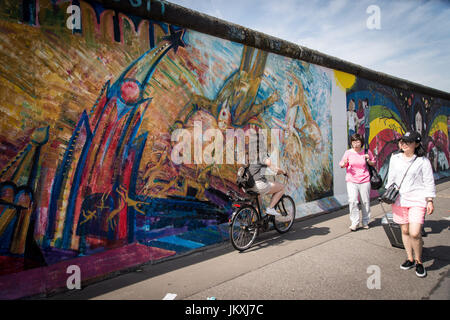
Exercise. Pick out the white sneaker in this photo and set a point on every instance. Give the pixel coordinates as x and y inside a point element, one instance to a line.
<point>272,212</point>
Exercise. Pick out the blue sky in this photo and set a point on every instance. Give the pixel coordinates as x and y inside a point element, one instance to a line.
<point>413,41</point>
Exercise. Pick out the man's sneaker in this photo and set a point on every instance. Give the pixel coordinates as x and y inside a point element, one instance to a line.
<point>407,265</point>
<point>366,227</point>
<point>420,270</point>
<point>272,212</point>
<point>353,228</point>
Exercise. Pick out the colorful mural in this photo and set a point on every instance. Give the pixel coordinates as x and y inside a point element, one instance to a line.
<point>382,114</point>
<point>87,118</point>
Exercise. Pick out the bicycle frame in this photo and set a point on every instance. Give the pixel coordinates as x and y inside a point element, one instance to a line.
<point>238,202</point>
<point>244,228</point>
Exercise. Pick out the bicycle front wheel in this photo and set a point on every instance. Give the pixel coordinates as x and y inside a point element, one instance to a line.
<point>243,229</point>
<point>286,207</point>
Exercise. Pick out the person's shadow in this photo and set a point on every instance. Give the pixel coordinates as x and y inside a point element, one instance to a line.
<point>439,254</point>
<point>436,226</point>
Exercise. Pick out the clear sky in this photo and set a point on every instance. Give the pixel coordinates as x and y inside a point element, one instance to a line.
<point>409,39</point>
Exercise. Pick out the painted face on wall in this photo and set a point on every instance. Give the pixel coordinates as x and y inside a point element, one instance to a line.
<point>351,105</point>
<point>364,104</point>
<point>419,122</point>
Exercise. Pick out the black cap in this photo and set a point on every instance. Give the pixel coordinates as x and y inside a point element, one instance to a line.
<point>411,136</point>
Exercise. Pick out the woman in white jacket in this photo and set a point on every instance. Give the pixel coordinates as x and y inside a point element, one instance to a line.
<point>416,196</point>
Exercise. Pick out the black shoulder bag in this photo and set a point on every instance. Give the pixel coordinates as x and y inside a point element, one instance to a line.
<point>392,192</point>
<point>375,179</point>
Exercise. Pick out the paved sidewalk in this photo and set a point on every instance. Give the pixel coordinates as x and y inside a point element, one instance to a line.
<point>318,259</point>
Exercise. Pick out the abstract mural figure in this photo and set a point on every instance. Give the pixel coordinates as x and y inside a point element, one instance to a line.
<point>111,153</point>
<point>201,183</point>
<point>300,144</point>
<point>165,177</point>
<point>99,214</point>
<point>17,195</point>
<point>234,105</point>
<point>153,170</point>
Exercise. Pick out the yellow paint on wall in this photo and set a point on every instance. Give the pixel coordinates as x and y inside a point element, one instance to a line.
<point>344,80</point>
<point>439,124</point>
<point>380,124</point>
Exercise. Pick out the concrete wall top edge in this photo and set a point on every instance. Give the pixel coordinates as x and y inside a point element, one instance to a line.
<point>174,14</point>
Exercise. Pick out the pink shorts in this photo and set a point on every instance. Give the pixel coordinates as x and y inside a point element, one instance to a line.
<point>404,215</point>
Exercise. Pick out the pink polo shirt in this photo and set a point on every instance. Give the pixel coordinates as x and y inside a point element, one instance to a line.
<point>357,171</point>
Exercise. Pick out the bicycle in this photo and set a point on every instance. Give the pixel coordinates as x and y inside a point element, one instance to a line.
<point>247,220</point>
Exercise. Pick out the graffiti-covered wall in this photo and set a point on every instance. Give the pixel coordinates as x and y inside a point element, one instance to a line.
<point>381,114</point>
<point>89,109</point>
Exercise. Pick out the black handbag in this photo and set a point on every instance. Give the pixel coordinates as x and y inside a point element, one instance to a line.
<point>392,192</point>
<point>376,182</point>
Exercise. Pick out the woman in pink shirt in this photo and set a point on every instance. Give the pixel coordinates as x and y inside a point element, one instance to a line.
<point>358,180</point>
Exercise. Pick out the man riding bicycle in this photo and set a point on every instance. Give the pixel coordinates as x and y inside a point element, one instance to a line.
<point>263,187</point>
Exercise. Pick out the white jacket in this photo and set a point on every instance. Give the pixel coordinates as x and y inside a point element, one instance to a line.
<point>418,183</point>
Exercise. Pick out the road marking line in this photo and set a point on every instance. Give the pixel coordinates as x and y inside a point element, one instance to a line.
<point>170,296</point>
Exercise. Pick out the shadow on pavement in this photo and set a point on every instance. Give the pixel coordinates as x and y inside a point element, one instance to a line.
<point>436,226</point>
<point>439,255</point>
<point>298,232</point>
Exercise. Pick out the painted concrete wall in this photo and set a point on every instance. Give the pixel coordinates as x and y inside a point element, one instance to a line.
<point>393,111</point>
<point>87,115</point>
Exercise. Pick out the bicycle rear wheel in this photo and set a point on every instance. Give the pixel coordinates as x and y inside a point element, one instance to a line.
<point>243,229</point>
<point>286,207</point>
